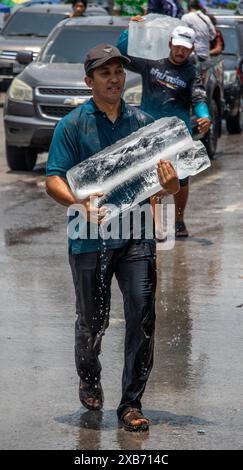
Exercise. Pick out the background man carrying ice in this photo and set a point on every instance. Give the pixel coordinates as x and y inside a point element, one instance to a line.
<point>170,88</point>
<point>100,122</point>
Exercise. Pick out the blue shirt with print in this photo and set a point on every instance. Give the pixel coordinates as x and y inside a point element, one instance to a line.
<point>168,89</point>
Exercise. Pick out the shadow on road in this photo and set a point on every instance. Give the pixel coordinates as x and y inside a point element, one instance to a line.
<point>107,420</point>
<point>201,241</point>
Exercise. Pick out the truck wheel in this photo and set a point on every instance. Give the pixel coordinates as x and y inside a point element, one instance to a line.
<point>20,158</point>
<point>210,140</point>
<point>233,124</point>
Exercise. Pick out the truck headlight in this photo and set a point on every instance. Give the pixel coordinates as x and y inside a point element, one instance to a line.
<point>133,95</point>
<point>229,77</point>
<point>20,91</point>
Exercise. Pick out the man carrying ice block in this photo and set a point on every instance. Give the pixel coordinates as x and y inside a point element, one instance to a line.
<point>171,87</point>
<point>97,124</point>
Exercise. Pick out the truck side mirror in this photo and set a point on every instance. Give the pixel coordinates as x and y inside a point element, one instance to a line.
<point>24,57</point>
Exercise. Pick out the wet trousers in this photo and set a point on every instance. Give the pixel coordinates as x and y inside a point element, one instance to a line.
<point>135,269</point>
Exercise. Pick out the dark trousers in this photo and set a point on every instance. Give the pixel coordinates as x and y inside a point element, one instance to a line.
<point>135,269</point>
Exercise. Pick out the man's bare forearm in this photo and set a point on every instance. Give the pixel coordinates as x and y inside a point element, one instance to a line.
<point>58,189</point>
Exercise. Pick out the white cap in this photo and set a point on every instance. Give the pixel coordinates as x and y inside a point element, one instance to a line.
<point>183,36</point>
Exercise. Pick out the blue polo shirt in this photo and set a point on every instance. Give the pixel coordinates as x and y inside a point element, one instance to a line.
<point>81,134</point>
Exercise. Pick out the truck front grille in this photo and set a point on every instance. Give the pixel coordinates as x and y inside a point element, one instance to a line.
<point>8,55</point>
<point>55,102</point>
<point>11,55</point>
<point>56,112</point>
<point>7,71</point>
<point>64,91</point>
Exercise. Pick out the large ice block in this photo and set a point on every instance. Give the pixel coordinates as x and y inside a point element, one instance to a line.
<point>149,39</point>
<point>126,171</point>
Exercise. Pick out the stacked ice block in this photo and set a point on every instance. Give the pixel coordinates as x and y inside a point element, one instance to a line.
<point>149,39</point>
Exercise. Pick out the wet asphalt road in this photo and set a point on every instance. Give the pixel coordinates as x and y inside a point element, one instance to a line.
<point>194,397</point>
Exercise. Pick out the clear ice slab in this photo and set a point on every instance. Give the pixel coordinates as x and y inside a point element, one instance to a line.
<point>149,39</point>
<point>126,172</point>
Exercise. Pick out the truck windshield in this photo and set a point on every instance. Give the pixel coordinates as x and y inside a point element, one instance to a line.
<point>71,44</point>
<point>32,24</point>
<point>230,40</point>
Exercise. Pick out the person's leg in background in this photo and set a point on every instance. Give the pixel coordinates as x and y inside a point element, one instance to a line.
<point>156,202</point>
<point>180,200</point>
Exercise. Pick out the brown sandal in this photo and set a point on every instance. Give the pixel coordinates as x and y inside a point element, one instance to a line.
<point>88,392</point>
<point>130,415</point>
<point>180,229</point>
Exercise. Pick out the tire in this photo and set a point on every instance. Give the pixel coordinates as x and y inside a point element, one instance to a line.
<point>210,140</point>
<point>233,124</point>
<point>20,158</point>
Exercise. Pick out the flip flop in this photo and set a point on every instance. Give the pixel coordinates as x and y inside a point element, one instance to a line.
<point>130,415</point>
<point>89,392</point>
<point>180,229</point>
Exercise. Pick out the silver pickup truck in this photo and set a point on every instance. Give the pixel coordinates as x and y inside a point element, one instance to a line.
<point>54,85</point>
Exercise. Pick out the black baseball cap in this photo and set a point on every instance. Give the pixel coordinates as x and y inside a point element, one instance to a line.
<point>100,54</point>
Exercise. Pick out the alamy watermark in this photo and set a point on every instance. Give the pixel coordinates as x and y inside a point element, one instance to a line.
<point>142,221</point>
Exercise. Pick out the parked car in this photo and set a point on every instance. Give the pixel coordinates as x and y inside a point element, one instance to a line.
<point>239,8</point>
<point>232,31</point>
<point>54,85</point>
<point>27,29</point>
